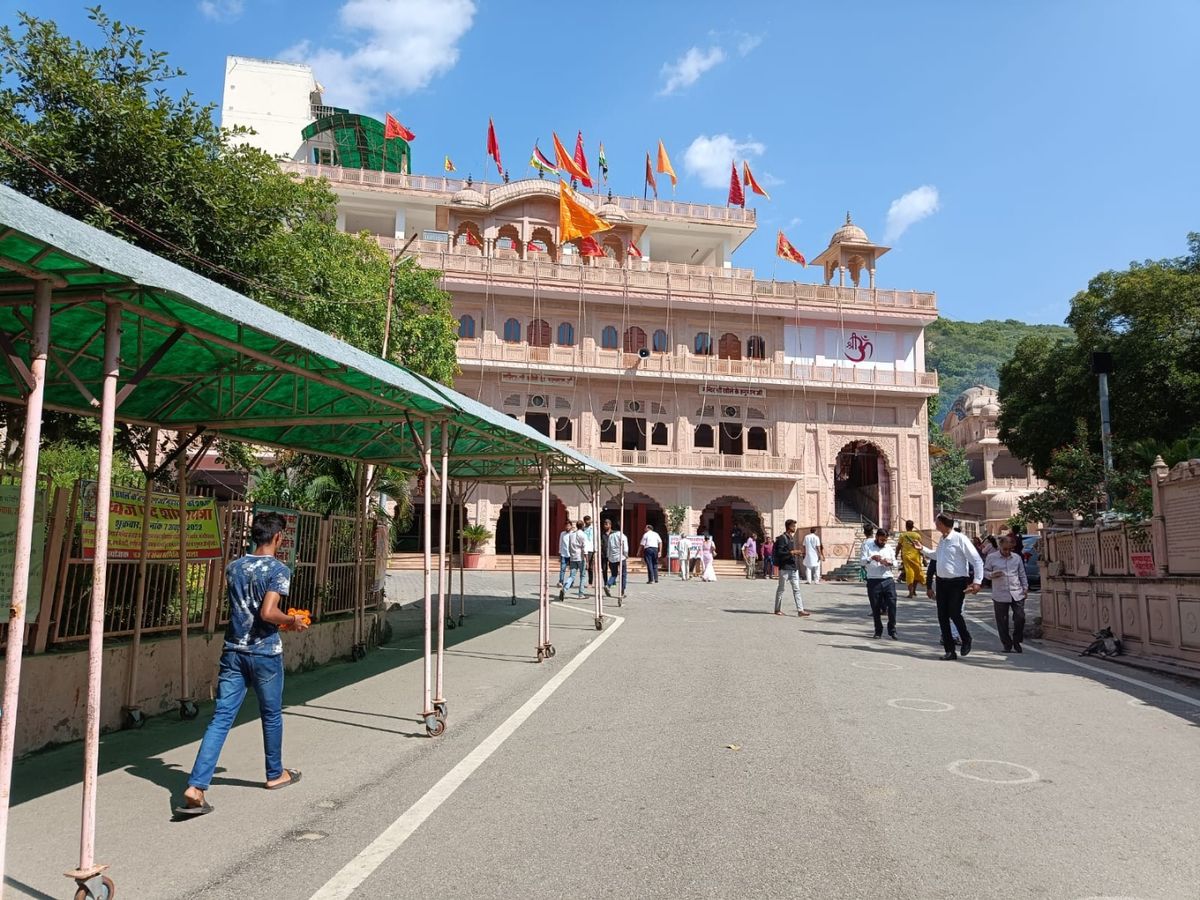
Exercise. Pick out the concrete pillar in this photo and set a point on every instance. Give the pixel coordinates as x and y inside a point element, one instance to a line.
<point>400,223</point>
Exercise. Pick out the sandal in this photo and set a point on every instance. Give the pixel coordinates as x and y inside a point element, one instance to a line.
<point>293,777</point>
<point>192,812</point>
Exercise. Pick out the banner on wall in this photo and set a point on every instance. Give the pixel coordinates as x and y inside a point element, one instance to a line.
<point>125,525</point>
<point>9,498</point>
<point>677,540</point>
<point>286,553</point>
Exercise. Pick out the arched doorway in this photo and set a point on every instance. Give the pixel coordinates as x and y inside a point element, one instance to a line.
<point>723,515</point>
<point>861,485</point>
<point>640,511</point>
<point>526,516</point>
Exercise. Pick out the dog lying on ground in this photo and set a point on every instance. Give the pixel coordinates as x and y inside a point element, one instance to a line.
<point>1104,644</point>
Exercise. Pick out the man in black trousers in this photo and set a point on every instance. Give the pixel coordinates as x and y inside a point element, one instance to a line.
<point>959,572</point>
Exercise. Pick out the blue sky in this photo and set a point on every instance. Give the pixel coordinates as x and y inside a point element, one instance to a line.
<point>1036,143</point>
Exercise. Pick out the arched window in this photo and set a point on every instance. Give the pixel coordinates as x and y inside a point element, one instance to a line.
<point>539,333</point>
<point>658,435</point>
<point>466,328</point>
<point>541,245</point>
<point>508,238</point>
<point>512,331</point>
<point>703,344</point>
<point>608,432</point>
<point>635,339</point>
<point>566,335</point>
<point>608,338</point>
<point>703,436</point>
<point>756,438</point>
<point>563,429</point>
<point>756,348</point>
<point>468,235</point>
<point>660,341</point>
<point>729,347</point>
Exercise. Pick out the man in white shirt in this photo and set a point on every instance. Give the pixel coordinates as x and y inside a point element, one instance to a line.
<point>813,557</point>
<point>617,549</point>
<point>589,548</point>
<point>685,558</point>
<point>879,559</point>
<point>578,557</point>
<point>564,552</point>
<point>651,544</point>
<point>1010,587</point>
<point>959,572</point>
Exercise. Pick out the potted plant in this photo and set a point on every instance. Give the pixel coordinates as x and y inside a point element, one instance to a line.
<point>676,517</point>
<point>473,537</point>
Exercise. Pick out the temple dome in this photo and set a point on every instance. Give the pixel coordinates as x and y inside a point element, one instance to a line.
<point>469,197</point>
<point>612,213</point>
<point>849,234</point>
<point>979,400</point>
<point>1004,502</point>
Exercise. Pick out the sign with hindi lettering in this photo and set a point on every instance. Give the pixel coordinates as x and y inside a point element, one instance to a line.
<point>9,497</point>
<point>286,553</point>
<point>125,525</point>
<point>1143,564</point>
<point>537,378</point>
<point>732,390</point>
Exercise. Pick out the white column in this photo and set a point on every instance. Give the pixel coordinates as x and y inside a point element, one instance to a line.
<point>644,246</point>
<point>400,222</point>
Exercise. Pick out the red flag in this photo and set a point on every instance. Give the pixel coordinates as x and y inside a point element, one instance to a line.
<point>493,147</point>
<point>533,246</point>
<point>472,241</point>
<point>581,161</point>
<point>736,196</point>
<point>785,250</point>
<point>650,178</point>
<point>393,129</point>
<point>566,163</point>
<point>748,180</point>
<point>634,251</point>
<point>589,247</point>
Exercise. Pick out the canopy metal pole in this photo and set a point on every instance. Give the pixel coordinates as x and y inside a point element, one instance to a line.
<point>443,569</point>
<point>132,710</point>
<point>427,478</point>
<point>360,607</point>
<point>91,740</point>
<point>22,550</point>
<point>187,706</point>
<point>625,562</point>
<point>462,556</point>
<point>597,554</point>
<point>545,649</point>
<point>512,545</point>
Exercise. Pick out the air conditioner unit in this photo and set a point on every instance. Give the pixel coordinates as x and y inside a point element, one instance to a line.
<point>732,412</point>
<point>539,401</point>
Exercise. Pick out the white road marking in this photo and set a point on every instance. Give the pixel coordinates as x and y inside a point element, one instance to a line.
<point>875,666</point>
<point>956,768</point>
<point>1116,676</point>
<point>936,706</point>
<point>355,872</point>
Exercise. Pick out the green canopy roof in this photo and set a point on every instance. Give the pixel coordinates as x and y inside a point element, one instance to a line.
<point>195,354</point>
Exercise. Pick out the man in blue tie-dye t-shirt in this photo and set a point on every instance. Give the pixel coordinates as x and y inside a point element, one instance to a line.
<point>253,658</point>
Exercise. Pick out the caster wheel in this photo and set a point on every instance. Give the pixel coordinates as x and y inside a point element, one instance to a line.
<point>541,654</point>
<point>599,624</point>
<point>440,709</point>
<point>434,726</point>
<point>550,651</point>
<point>460,619</point>
<point>358,652</point>
<point>620,602</point>
<point>107,891</point>
<point>450,626</point>
<point>132,718</point>
<point>188,709</point>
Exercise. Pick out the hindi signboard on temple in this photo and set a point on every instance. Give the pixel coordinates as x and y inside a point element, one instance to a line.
<point>9,495</point>
<point>1143,564</point>
<point>125,525</point>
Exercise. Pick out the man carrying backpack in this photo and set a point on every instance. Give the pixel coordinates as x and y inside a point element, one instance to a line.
<point>785,553</point>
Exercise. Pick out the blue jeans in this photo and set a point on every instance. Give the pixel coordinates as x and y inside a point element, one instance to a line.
<point>615,570</point>
<point>576,572</point>
<point>563,563</point>
<point>238,672</point>
<point>651,565</point>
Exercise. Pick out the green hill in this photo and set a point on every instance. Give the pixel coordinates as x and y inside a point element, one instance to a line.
<point>967,353</point>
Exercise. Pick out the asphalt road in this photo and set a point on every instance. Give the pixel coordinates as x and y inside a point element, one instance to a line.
<point>708,749</point>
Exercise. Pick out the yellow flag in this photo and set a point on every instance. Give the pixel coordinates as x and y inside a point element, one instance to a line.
<point>574,219</point>
<point>448,165</point>
<point>664,164</point>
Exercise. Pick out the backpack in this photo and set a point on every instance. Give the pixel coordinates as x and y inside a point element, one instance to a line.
<point>782,553</point>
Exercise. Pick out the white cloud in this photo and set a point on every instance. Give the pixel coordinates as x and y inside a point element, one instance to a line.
<point>397,46</point>
<point>910,209</point>
<point>709,157</point>
<point>747,42</point>
<point>794,221</point>
<point>686,70</point>
<point>222,10</point>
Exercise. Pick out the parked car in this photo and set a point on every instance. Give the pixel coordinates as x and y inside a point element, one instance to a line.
<point>1029,552</point>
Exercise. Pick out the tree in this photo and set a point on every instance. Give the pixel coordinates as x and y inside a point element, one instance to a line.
<point>1148,318</point>
<point>948,469</point>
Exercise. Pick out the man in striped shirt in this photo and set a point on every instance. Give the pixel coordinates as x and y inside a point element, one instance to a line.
<point>1010,587</point>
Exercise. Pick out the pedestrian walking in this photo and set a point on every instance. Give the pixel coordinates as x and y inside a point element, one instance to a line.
<point>651,544</point>
<point>786,560</point>
<point>739,538</point>
<point>589,540</point>
<point>708,552</point>
<point>768,557</point>
<point>910,557</point>
<point>564,552</point>
<point>959,572</point>
<point>879,560</point>
<point>1010,587</point>
<point>685,558</point>
<point>750,556</point>
<point>616,547</point>
<point>577,555</point>
<point>252,657</point>
<point>814,555</point>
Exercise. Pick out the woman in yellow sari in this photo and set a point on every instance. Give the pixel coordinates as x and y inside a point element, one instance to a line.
<point>910,556</point>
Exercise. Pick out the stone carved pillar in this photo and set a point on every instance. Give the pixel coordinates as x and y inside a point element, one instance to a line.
<point>1158,475</point>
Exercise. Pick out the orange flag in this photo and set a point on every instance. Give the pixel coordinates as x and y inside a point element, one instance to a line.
<point>664,164</point>
<point>574,219</point>
<point>785,250</point>
<point>748,180</point>
<point>564,162</point>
